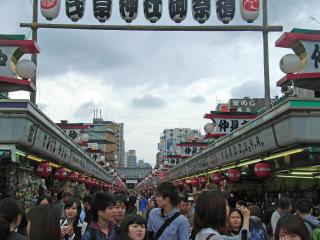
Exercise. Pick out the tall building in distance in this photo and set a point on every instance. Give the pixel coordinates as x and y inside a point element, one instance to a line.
<point>171,137</point>
<point>120,144</point>
<point>105,139</point>
<point>131,158</point>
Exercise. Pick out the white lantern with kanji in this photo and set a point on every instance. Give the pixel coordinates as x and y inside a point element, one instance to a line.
<point>26,69</point>
<point>290,63</point>
<point>50,8</point>
<point>84,138</point>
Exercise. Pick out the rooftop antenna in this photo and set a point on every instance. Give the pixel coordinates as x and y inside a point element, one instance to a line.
<point>100,114</point>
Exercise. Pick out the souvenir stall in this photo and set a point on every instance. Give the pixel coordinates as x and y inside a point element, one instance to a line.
<point>37,157</point>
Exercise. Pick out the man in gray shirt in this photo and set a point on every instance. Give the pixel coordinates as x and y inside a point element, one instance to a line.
<point>285,207</point>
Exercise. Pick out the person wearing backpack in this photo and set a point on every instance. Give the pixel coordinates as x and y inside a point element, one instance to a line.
<point>166,222</point>
<point>257,228</point>
<point>304,210</point>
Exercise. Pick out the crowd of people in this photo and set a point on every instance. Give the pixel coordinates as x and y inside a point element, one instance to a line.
<point>164,215</point>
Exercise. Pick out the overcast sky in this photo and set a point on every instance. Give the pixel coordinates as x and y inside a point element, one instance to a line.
<point>151,80</point>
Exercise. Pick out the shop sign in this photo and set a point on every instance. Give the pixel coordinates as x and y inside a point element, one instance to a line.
<point>226,126</point>
<point>246,104</point>
<point>228,152</point>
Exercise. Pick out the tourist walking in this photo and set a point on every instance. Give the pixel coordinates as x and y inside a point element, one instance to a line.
<point>134,227</point>
<point>102,226</point>
<point>166,222</point>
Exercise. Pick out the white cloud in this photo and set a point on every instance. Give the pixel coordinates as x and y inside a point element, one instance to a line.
<point>79,70</point>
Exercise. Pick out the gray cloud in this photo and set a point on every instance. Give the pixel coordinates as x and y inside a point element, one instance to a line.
<point>148,101</point>
<point>197,99</point>
<point>253,89</point>
<point>85,110</point>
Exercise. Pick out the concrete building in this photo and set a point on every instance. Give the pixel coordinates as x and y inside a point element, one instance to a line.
<point>171,137</point>
<point>105,138</point>
<point>131,158</point>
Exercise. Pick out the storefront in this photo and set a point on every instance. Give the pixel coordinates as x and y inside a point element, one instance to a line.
<point>36,156</point>
<point>278,151</point>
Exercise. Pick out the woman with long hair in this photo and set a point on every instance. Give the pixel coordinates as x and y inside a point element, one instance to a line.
<point>211,217</point>
<point>10,218</point>
<point>72,228</point>
<point>134,227</point>
<point>43,223</point>
<point>291,227</point>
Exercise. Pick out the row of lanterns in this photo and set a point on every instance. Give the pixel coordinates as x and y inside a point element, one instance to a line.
<point>45,170</point>
<point>201,9</point>
<point>261,170</point>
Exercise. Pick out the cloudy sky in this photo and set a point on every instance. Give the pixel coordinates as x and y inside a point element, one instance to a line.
<point>151,80</point>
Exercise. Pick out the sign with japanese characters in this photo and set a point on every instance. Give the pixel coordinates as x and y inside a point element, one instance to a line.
<point>234,150</point>
<point>246,104</point>
<point>226,126</point>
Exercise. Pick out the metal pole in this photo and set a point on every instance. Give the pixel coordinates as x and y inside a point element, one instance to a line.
<point>34,28</point>
<point>231,28</point>
<point>266,56</point>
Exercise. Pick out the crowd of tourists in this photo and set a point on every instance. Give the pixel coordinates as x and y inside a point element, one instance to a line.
<point>164,215</point>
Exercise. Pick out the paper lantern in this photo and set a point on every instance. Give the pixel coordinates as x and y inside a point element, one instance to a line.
<point>203,180</point>
<point>233,175</point>
<point>88,182</point>
<point>84,138</point>
<point>75,9</point>
<point>128,10</point>
<point>194,181</point>
<point>216,177</point>
<point>152,10</point>
<point>262,169</point>
<point>201,10</point>
<point>44,169</point>
<point>73,176</point>
<point>249,10</point>
<point>50,8</point>
<point>102,10</point>
<point>106,187</point>
<point>61,174</point>
<point>225,10</point>
<point>178,10</point>
<point>209,127</point>
<point>26,69</point>
<point>81,179</point>
<point>180,183</point>
<point>290,63</point>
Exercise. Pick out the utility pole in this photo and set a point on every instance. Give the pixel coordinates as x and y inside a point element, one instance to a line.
<point>266,55</point>
<point>34,27</point>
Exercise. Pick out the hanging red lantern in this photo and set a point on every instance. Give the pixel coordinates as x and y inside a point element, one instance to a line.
<point>88,182</point>
<point>180,183</point>
<point>106,187</point>
<point>216,177</point>
<point>194,181</point>
<point>44,169</point>
<point>262,169</point>
<point>203,180</point>
<point>81,179</point>
<point>61,174</point>
<point>73,176</point>
<point>233,175</point>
